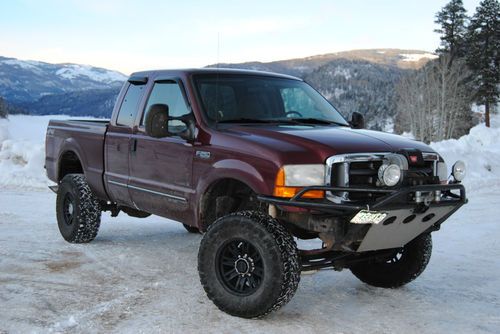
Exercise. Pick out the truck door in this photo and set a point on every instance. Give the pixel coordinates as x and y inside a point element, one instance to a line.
<point>117,145</point>
<point>161,168</point>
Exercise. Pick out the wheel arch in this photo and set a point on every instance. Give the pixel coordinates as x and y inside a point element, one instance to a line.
<point>227,185</point>
<point>69,162</point>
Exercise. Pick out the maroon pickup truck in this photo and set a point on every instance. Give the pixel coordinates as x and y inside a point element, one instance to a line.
<point>254,161</point>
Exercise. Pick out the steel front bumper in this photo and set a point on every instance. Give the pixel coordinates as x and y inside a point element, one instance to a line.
<point>405,218</point>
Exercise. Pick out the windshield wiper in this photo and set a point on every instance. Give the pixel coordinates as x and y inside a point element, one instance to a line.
<point>263,121</point>
<point>293,121</point>
<point>245,120</point>
<point>315,121</point>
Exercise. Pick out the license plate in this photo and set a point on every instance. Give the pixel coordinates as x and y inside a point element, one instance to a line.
<point>368,217</point>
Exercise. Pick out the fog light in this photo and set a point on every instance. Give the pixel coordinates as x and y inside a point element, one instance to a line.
<point>389,175</point>
<point>458,170</point>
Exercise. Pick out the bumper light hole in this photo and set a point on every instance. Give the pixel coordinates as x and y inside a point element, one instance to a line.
<point>409,219</point>
<point>389,220</point>
<point>428,217</point>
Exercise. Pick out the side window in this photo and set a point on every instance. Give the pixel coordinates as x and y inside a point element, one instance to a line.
<point>168,93</point>
<point>130,105</point>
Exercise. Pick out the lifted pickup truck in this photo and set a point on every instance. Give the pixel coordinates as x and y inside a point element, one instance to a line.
<point>255,161</point>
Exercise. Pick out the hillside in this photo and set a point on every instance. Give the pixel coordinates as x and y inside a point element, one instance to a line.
<point>358,80</point>
<point>89,102</point>
<point>403,59</point>
<point>24,81</point>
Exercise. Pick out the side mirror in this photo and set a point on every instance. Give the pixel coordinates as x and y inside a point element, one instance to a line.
<point>157,123</point>
<point>357,120</point>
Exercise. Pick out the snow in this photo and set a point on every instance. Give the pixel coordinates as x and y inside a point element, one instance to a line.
<point>72,71</point>
<point>69,71</point>
<point>25,64</point>
<point>22,151</point>
<point>480,151</point>
<point>417,56</point>
<point>341,71</point>
<point>140,275</point>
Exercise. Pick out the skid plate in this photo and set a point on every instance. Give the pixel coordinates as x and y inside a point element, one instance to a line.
<point>402,229</point>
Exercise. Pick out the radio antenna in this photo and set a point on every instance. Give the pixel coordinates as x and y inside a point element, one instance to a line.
<point>217,111</point>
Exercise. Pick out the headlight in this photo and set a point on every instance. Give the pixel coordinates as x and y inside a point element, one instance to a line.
<point>292,178</point>
<point>389,175</point>
<point>458,170</point>
<point>442,171</point>
<point>304,175</point>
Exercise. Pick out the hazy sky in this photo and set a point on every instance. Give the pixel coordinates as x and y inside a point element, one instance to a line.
<point>133,35</point>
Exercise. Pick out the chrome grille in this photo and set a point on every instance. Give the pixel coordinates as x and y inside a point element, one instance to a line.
<point>361,170</point>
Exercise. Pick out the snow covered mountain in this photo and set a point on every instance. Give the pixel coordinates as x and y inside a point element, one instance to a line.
<point>398,58</point>
<point>25,81</point>
<point>358,80</point>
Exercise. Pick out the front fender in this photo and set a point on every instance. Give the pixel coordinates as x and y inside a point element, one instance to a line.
<point>259,177</point>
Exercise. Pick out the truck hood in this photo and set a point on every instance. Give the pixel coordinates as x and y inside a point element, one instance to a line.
<point>325,141</point>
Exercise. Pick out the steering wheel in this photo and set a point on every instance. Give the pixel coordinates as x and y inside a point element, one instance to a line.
<point>292,112</point>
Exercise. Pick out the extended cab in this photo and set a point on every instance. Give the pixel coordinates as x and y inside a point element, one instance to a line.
<point>255,161</point>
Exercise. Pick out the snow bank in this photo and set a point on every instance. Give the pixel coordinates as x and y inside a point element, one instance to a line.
<point>22,151</point>
<point>480,150</point>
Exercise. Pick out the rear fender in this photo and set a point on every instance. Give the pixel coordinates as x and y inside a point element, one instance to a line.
<point>71,145</point>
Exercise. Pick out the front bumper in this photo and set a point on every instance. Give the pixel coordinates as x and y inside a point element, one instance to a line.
<point>405,219</point>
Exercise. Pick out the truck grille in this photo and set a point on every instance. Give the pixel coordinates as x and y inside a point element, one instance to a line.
<point>361,170</point>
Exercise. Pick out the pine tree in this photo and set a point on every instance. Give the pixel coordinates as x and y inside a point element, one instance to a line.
<point>483,57</point>
<point>453,19</point>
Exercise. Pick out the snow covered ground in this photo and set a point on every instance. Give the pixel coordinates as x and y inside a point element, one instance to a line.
<point>140,275</point>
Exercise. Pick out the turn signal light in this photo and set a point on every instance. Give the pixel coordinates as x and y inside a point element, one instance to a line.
<point>280,190</point>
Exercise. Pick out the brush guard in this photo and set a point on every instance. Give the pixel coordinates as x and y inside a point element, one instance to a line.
<point>409,212</point>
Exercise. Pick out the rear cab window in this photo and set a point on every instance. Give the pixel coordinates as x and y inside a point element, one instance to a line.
<point>130,105</point>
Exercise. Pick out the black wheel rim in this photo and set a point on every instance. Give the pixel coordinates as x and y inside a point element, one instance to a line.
<point>68,209</point>
<point>240,267</point>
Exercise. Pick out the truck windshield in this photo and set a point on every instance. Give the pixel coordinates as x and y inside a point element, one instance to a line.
<point>230,98</point>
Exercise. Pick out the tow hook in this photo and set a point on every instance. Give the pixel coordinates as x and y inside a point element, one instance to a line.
<point>421,208</point>
<point>434,196</point>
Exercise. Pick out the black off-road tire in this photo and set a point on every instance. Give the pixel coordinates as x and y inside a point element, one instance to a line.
<point>401,269</point>
<point>191,229</point>
<point>275,258</point>
<point>78,210</point>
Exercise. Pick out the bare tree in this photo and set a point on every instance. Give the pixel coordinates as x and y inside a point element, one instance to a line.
<point>3,108</point>
<point>434,102</point>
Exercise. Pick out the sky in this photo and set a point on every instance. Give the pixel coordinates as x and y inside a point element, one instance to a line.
<point>136,35</point>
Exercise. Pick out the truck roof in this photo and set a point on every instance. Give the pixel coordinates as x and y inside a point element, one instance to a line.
<point>192,71</point>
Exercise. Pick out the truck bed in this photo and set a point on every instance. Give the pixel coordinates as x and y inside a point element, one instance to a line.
<point>86,138</point>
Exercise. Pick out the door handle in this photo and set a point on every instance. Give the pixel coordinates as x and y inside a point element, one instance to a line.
<point>133,145</point>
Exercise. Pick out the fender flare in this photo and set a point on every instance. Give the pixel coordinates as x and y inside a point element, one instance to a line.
<point>236,170</point>
<point>71,145</point>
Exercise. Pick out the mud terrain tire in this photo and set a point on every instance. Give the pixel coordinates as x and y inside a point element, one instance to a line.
<point>248,264</point>
<point>403,268</point>
<point>78,210</point>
